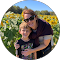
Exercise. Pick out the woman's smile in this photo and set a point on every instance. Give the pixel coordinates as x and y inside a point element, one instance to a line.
<point>31,24</point>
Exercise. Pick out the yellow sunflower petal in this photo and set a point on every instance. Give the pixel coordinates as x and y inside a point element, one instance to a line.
<point>7,21</point>
<point>2,24</point>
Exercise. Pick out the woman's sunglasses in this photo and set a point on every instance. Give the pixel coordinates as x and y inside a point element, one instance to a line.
<point>31,18</point>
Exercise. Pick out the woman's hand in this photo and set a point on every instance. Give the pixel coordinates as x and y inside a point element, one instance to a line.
<point>16,45</point>
<point>26,52</point>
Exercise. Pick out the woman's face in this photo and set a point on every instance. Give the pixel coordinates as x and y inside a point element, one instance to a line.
<point>31,23</point>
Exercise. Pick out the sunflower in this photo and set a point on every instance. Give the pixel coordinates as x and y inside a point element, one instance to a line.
<point>12,17</point>
<point>22,19</point>
<point>22,14</point>
<point>45,18</point>
<point>52,17</point>
<point>7,21</point>
<point>18,15</point>
<point>52,26</point>
<point>2,24</point>
<point>49,17</point>
<point>7,16</point>
<point>41,15</point>
<point>56,18</point>
<point>52,22</point>
<point>12,14</point>
<point>48,20</point>
<point>55,22</point>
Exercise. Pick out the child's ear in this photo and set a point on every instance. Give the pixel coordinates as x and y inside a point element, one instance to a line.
<point>19,31</point>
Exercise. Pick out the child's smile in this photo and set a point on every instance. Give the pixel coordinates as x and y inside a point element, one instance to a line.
<point>25,32</point>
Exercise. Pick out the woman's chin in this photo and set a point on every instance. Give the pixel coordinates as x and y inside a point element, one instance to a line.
<point>31,25</point>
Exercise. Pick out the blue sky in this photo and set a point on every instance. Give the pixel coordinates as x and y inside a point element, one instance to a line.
<point>34,5</point>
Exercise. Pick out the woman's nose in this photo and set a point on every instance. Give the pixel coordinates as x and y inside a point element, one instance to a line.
<point>29,20</point>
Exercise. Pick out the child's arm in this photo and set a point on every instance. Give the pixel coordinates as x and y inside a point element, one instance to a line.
<point>17,53</point>
<point>17,56</point>
<point>35,55</point>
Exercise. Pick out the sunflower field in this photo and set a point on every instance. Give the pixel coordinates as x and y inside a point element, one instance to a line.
<point>9,28</point>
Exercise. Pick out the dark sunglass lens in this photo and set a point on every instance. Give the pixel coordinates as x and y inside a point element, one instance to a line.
<point>32,17</point>
<point>26,20</point>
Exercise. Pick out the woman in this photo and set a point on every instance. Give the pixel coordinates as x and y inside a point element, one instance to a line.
<point>41,32</point>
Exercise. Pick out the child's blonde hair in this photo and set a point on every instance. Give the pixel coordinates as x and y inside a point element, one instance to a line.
<point>24,25</point>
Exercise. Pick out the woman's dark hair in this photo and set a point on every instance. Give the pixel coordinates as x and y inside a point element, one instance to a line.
<point>29,11</point>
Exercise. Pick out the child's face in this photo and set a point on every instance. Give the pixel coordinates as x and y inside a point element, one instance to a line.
<point>25,32</point>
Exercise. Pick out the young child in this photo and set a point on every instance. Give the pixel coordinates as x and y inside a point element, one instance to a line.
<point>25,42</point>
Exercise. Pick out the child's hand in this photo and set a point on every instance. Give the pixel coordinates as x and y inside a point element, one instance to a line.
<point>16,45</point>
<point>26,52</point>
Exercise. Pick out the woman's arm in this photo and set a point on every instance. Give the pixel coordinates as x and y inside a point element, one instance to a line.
<point>35,55</point>
<point>41,47</point>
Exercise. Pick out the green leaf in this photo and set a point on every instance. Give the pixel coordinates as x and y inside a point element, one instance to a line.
<point>56,36</point>
<point>8,33</point>
<point>4,19</point>
<point>14,31</point>
<point>1,29</point>
<point>8,26</point>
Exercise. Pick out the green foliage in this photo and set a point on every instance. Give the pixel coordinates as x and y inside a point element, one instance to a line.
<point>10,30</point>
<point>17,9</point>
<point>56,33</point>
